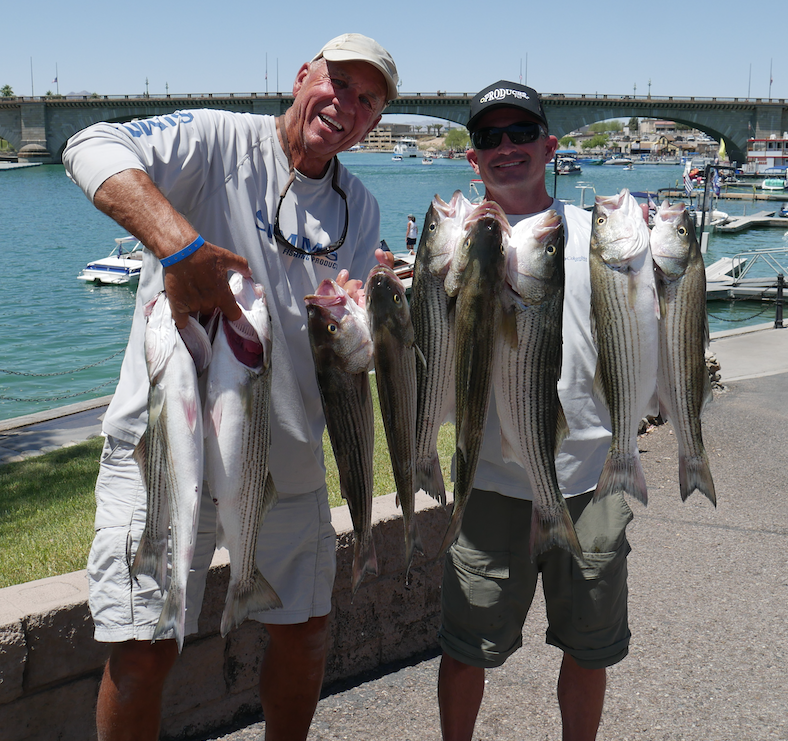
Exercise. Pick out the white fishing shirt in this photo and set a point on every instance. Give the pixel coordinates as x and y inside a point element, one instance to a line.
<point>224,172</point>
<point>583,452</point>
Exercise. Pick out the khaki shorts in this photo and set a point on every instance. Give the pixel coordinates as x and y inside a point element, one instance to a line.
<point>296,553</point>
<point>489,582</point>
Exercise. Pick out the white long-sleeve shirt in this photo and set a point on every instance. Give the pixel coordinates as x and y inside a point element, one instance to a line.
<point>224,172</point>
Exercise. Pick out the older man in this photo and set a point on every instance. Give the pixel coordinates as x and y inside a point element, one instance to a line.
<point>210,191</point>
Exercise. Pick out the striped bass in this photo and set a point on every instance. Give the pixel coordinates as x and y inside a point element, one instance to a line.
<point>237,440</point>
<point>476,279</point>
<point>684,384</point>
<point>624,321</point>
<point>527,369</point>
<point>170,456</point>
<point>432,313</point>
<point>395,371</point>
<point>342,351</point>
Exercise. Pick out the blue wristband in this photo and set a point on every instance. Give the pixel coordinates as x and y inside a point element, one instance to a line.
<point>189,249</point>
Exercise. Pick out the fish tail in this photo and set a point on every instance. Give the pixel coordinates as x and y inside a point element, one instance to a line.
<point>151,559</point>
<point>429,477</point>
<point>622,472</point>
<point>173,616</point>
<point>453,530</point>
<point>365,560</point>
<point>694,473</point>
<point>554,529</point>
<point>245,597</point>
<point>412,542</point>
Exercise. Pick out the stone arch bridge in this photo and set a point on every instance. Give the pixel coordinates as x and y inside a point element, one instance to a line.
<point>39,128</point>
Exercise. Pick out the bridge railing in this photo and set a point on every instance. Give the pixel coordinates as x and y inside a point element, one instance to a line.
<point>403,96</point>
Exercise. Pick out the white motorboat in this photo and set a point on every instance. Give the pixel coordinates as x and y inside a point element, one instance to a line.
<point>426,161</point>
<point>121,267</point>
<point>406,147</point>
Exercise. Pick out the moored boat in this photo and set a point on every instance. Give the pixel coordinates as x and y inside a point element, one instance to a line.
<point>122,267</point>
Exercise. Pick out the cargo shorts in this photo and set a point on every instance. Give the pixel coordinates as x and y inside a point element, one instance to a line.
<point>296,552</point>
<point>489,582</point>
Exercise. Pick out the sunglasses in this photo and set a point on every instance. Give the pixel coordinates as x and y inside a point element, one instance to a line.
<point>519,133</point>
<point>334,246</point>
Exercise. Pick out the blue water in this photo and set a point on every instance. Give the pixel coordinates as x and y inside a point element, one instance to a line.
<point>54,324</point>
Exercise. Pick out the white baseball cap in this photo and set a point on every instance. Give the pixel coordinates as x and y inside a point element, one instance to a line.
<point>353,46</point>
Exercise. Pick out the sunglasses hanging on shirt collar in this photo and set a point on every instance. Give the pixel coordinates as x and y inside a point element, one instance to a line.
<point>280,238</point>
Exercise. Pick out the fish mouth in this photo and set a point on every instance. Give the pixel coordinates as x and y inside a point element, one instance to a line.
<point>489,210</point>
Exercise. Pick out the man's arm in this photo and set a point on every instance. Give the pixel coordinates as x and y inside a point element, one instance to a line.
<point>197,283</point>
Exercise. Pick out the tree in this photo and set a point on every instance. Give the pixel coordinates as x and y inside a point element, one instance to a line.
<point>634,123</point>
<point>595,142</point>
<point>457,139</point>
<point>7,91</point>
<point>567,141</point>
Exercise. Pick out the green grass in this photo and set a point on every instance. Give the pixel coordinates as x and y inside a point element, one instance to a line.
<point>47,503</point>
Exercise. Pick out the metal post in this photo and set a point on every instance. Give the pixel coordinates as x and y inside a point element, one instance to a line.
<point>778,317</point>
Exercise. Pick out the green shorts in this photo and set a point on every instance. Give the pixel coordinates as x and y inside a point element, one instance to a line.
<point>489,582</point>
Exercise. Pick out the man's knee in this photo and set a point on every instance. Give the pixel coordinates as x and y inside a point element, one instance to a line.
<point>142,661</point>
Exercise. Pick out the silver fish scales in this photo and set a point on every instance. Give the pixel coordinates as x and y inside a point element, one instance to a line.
<point>684,384</point>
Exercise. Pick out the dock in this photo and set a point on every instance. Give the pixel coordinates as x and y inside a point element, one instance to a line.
<point>17,165</point>
<point>761,219</point>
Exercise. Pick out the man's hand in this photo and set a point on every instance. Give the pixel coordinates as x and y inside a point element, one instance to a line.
<point>199,283</point>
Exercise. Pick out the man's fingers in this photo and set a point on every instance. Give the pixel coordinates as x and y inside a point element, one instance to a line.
<point>385,258</point>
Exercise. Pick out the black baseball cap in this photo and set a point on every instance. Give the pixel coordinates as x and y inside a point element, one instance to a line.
<point>505,94</point>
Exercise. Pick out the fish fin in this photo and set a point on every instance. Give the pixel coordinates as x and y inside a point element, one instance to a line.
<point>429,478</point>
<point>509,451</point>
<point>156,398</point>
<point>694,473</point>
<point>173,616</point>
<point>191,409</point>
<point>453,530</point>
<point>197,343</point>
<point>245,598</point>
<point>508,329</point>
<point>151,559</point>
<point>365,561</point>
<point>622,472</point>
<point>599,385</point>
<point>420,355</point>
<point>270,496</point>
<point>213,414</point>
<point>412,542</point>
<point>556,529</point>
<point>561,428</point>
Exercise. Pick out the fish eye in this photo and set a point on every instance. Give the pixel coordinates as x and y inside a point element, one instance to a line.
<point>332,328</point>
<point>601,219</point>
<point>550,250</point>
<point>397,298</point>
<point>682,230</point>
<point>433,226</point>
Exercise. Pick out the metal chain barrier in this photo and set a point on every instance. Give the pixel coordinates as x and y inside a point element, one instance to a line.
<point>62,373</point>
<point>59,398</point>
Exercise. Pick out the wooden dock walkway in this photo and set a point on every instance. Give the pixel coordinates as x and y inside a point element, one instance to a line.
<point>761,219</point>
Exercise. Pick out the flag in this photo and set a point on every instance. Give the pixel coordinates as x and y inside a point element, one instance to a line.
<point>55,80</point>
<point>715,182</point>
<point>722,154</point>
<point>688,185</point>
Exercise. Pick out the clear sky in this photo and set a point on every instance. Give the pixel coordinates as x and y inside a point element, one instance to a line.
<point>700,48</point>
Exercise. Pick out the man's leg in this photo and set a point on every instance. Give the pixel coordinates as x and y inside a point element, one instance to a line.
<point>291,677</point>
<point>581,696</point>
<point>129,700</point>
<point>460,692</point>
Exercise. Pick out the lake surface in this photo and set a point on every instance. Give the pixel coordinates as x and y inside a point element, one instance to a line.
<point>61,340</point>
